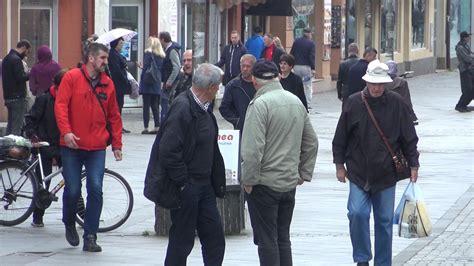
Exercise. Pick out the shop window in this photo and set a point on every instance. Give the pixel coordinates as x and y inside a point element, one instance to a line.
<point>388,29</point>
<point>304,15</point>
<point>351,22</point>
<point>459,21</point>
<point>35,25</point>
<point>368,22</point>
<point>418,12</point>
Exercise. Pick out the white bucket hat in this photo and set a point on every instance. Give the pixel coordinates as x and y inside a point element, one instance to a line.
<point>377,72</point>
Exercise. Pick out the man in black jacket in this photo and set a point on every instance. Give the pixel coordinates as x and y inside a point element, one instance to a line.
<point>342,78</point>
<point>238,94</point>
<point>303,49</point>
<point>466,71</point>
<point>14,81</point>
<point>193,170</point>
<point>230,57</point>
<point>356,71</point>
<point>370,167</point>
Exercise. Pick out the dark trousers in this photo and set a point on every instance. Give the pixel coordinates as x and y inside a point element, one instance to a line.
<point>16,112</point>
<point>466,89</point>
<point>198,212</point>
<point>120,100</point>
<point>270,214</point>
<point>47,156</point>
<point>151,101</point>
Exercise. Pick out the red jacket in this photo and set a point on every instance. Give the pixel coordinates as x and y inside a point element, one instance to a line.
<point>78,111</point>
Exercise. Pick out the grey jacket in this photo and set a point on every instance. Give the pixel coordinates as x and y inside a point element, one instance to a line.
<point>279,144</point>
<point>465,56</point>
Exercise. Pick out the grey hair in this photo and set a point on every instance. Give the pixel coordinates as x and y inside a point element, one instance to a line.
<point>263,82</point>
<point>206,75</point>
<point>353,48</point>
<point>248,57</point>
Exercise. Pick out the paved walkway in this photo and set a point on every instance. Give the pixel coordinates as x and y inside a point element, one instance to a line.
<point>319,230</point>
<point>453,241</point>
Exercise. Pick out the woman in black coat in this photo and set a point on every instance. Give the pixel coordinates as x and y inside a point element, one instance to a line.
<point>118,73</point>
<point>289,80</point>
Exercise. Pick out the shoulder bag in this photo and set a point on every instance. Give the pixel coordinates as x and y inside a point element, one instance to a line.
<point>401,164</point>
<point>150,76</point>
<point>108,127</point>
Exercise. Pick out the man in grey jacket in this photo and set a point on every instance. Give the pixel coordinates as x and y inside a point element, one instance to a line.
<point>466,69</point>
<point>279,148</point>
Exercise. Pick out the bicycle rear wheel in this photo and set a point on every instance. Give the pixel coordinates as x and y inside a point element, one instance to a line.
<point>117,201</point>
<point>17,190</point>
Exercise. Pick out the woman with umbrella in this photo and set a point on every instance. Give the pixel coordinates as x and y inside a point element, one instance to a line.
<point>118,73</point>
<point>150,89</point>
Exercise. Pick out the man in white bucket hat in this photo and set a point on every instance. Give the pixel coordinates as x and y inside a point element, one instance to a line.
<point>358,146</point>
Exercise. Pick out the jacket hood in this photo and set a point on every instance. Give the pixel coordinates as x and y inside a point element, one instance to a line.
<point>44,54</point>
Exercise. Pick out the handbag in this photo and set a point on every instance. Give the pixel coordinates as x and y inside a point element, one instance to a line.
<point>400,162</point>
<point>150,76</point>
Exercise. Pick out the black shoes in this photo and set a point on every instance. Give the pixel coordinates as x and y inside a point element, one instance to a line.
<point>462,109</point>
<point>71,235</point>
<point>125,131</point>
<point>362,264</point>
<point>90,244</point>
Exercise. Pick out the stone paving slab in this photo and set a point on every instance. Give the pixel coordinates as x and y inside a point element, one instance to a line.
<point>453,242</point>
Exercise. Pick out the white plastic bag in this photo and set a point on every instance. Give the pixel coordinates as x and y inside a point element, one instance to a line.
<point>413,219</point>
<point>134,86</point>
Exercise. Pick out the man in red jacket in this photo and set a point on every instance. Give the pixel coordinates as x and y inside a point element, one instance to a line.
<point>85,106</point>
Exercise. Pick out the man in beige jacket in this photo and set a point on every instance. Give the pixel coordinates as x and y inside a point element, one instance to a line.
<point>279,148</point>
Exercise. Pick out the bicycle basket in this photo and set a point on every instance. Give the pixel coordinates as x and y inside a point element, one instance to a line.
<point>15,152</point>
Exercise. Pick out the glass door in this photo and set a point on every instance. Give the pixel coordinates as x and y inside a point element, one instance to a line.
<point>35,26</point>
<point>130,15</point>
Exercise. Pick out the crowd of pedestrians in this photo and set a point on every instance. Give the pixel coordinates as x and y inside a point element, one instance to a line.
<point>267,96</point>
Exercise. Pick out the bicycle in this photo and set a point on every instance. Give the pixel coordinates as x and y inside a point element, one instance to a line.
<point>22,190</point>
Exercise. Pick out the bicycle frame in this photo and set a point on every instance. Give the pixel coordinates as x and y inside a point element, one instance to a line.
<point>47,178</point>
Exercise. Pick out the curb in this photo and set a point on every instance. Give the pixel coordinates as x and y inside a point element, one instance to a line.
<point>439,228</point>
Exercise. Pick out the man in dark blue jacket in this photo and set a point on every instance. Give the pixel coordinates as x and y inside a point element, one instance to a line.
<point>357,71</point>
<point>169,70</point>
<point>344,67</point>
<point>303,50</point>
<point>238,94</point>
<point>230,57</point>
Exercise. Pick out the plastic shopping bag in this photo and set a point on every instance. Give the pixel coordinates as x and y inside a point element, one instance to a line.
<point>413,220</point>
<point>134,86</point>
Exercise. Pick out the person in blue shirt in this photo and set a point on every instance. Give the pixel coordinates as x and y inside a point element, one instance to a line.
<point>255,43</point>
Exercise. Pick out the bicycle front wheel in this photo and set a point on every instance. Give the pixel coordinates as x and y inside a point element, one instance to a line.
<point>117,201</point>
<point>17,190</point>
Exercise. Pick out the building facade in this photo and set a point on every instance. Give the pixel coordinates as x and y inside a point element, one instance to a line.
<point>420,35</point>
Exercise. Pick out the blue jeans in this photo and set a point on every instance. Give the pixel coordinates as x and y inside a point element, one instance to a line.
<point>94,162</point>
<point>359,205</point>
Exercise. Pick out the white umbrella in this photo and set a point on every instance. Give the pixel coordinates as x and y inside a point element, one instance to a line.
<point>114,34</point>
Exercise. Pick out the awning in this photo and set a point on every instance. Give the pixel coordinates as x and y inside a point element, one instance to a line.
<point>271,8</point>
<point>226,4</point>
